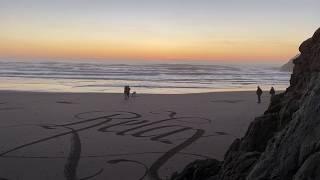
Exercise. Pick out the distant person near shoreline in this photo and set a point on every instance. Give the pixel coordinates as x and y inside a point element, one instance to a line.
<point>126,92</point>
<point>259,93</point>
<point>272,92</point>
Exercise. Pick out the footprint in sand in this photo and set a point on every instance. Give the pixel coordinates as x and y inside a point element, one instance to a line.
<point>65,102</point>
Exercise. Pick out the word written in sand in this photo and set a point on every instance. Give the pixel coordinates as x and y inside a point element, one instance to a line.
<point>165,131</point>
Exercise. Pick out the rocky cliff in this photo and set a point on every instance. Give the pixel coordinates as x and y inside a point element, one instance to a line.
<point>283,143</point>
<point>288,67</point>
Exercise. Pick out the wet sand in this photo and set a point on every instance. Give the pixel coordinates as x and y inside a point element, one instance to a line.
<point>102,136</point>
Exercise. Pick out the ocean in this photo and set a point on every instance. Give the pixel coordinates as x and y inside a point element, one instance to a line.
<point>143,78</point>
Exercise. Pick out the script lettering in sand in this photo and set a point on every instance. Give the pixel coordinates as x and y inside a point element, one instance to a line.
<point>174,132</point>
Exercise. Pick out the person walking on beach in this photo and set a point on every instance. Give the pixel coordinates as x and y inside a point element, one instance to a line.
<point>272,92</point>
<point>259,93</point>
<point>126,92</point>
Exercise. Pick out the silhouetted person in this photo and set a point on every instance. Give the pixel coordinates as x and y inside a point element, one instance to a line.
<point>259,93</point>
<point>272,92</point>
<point>126,92</point>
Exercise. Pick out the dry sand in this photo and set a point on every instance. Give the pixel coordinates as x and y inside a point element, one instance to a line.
<point>57,136</point>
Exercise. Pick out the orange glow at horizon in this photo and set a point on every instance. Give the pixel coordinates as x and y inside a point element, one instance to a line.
<point>167,30</point>
<point>157,49</point>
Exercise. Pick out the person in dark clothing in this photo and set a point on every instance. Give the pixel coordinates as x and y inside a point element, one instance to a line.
<point>259,93</point>
<point>126,92</point>
<point>272,92</point>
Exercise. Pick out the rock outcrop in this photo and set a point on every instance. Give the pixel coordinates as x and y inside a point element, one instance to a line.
<point>283,143</point>
<point>288,67</point>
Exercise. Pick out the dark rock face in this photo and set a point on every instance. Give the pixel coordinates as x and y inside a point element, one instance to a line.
<point>288,67</point>
<point>284,143</point>
<point>199,170</point>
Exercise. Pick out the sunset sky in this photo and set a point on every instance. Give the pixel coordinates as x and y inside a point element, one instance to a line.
<point>156,30</point>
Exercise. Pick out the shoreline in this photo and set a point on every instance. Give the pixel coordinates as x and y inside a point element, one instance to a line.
<point>145,79</point>
<point>90,93</point>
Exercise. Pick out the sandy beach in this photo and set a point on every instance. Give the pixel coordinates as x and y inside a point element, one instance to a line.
<point>102,136</point>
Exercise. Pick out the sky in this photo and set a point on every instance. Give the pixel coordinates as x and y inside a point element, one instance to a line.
<point>156,30</point>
